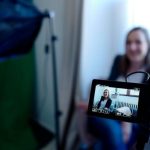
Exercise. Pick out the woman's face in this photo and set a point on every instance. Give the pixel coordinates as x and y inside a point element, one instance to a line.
<point>106,94</point>
<point>136,47</point>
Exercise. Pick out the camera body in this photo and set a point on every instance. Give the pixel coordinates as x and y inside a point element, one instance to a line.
<point>120,100</point>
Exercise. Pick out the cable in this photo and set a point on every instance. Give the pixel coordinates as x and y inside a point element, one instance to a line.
<point>144,72</point>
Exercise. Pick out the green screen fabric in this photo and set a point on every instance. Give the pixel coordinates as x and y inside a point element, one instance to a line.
<point>16,95</point>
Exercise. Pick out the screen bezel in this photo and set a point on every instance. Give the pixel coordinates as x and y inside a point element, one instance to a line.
<point>142,88</point>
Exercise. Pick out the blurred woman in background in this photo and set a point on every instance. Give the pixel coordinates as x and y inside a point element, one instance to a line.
<point>115,135</point>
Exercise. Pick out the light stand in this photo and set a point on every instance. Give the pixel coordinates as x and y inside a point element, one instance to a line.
<point>57,112</point>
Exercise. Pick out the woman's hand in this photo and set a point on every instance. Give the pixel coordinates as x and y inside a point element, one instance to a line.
<point>81,105</point>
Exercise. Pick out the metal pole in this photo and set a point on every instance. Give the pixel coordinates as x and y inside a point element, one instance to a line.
<point>55,84</point>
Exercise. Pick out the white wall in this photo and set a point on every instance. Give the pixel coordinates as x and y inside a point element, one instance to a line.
<point>140,10</point>
<point>104,27</point>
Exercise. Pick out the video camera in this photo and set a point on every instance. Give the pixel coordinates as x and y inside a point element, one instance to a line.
<point>127,101</point>
<point>124,101</point>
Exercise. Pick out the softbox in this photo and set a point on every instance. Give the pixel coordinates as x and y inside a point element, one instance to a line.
<point>20,23</point>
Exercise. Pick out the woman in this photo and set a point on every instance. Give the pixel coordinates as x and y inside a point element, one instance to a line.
<point>137,56</point>
<point>105,101</point>
<point>115,135</point>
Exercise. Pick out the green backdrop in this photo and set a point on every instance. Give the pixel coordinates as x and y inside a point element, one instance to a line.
<point>16,95</point>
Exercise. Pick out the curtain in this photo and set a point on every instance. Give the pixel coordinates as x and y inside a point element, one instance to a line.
<point>16,95</point>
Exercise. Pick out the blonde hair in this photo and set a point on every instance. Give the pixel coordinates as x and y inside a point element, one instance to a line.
<point>108,92</point>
